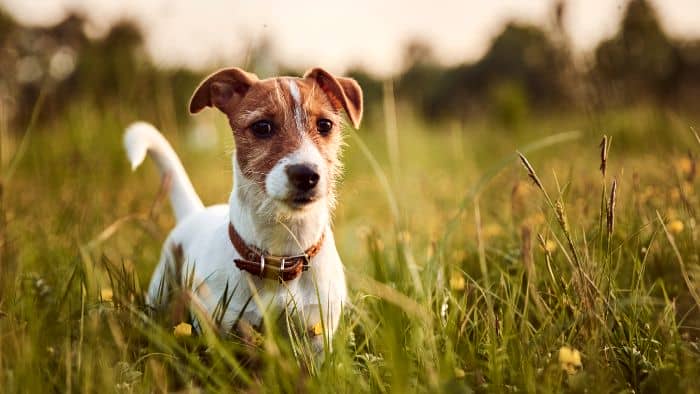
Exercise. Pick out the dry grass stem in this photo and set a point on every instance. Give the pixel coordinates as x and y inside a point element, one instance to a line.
<point>611,207</point>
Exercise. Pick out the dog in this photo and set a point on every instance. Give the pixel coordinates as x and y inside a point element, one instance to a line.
<point>271,249</point>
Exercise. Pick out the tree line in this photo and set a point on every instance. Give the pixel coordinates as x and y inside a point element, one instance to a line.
<point>526,69</point>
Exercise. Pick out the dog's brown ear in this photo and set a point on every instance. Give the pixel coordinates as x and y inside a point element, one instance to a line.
<point>222,89</point>
<point>343,93</point>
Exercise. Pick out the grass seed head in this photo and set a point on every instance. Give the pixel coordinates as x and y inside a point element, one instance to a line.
<point>561,215</point>
<point>531,171</point>
<point>604,154</point>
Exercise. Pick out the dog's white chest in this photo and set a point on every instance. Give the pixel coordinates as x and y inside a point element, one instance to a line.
<point>226,294</point>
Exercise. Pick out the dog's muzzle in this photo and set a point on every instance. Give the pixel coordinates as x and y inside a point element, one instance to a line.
<point>303,179</point>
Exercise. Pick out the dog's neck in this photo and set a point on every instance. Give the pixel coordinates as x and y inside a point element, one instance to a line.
<point>261,223</point>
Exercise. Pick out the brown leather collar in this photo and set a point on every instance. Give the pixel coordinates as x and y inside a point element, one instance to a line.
<point>261,264</point>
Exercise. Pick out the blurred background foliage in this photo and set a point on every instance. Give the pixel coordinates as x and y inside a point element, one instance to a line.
<point>497,297</point>
<point>527,69</point>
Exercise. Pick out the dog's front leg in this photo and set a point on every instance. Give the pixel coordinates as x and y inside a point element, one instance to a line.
<point>320,323</point>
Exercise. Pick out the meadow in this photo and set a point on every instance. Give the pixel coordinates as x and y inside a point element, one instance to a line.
<point>573,267</point>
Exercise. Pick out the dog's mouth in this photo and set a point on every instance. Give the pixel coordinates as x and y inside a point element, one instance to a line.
<point>301,200</point>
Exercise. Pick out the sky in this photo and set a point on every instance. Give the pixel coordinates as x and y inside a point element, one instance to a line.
<point>338,35</point>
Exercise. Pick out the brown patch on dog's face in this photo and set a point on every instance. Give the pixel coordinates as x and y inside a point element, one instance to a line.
<point>292,122</point>
<point>298,120</point>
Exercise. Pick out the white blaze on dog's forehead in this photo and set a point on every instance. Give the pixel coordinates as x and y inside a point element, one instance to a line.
<point>298,112</point>
<point>307,153</point>
<point>294,90</point>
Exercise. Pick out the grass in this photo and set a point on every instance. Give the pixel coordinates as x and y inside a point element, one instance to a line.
<point>467,271</point>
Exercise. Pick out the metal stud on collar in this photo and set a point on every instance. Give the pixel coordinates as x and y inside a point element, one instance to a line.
<point>262,265</point>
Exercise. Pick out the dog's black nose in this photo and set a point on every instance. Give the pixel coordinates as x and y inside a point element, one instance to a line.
<point>302,176</point>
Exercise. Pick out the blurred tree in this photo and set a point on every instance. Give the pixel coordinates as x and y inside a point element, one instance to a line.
<point>640,61</point>
<point>508,104</point>
<point>572,77</point>
<point>420,73</point>
<point>520,57</point>
<point>525,69</point>
<point>7,24</point>
<point>371,91</point>
<point>7,62</point>
<point>60,62</point>
<point>689,89</point>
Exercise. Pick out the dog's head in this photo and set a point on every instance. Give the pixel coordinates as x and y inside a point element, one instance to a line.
<point>287,130</point>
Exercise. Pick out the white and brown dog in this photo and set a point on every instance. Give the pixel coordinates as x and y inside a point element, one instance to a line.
<point>271,247</point>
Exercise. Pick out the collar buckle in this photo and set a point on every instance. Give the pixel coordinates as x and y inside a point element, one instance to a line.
<point>290,267</point>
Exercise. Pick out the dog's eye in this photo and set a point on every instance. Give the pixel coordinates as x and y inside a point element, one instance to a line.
<point>324,126</point>
<point>262,129</point>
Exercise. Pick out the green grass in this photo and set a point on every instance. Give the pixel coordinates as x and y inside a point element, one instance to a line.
<point>464,275</point>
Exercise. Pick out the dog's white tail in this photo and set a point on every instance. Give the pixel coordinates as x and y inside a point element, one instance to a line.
<point>141,138</point>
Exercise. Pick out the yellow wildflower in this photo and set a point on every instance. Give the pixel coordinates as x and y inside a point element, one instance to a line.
<point>459,373</point>
<point>430,251</point>
<point>183,330</point>
<point>675,194</point>
<point>570,360</point>
<point>106,295</point>
<point>687,188</point>
<point>492,230</point>
<point>675,226</point>
<point>535,219</point>
<point>550,246</point>
<point>458,255</point>
<point>316,329</point>
<point>457,281</point>
<point>379,244</point>
<point>684,165</point>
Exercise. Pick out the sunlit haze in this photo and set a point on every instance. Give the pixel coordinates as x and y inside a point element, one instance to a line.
<point>340,34</point>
